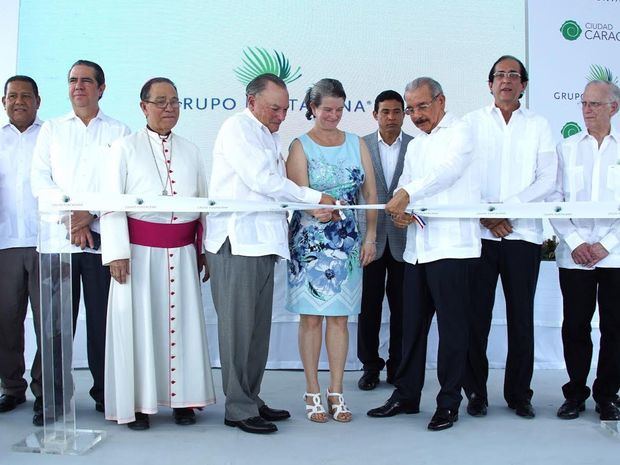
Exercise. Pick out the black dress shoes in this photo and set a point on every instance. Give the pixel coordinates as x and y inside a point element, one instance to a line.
<point>523,409</point>
<point>272,414</point>
<point>393,407</point>
<point>141,423</point>
<point>444,418</point>
<point>255,425</point>
<point>608,411</point>
<point>369,380</point>
<point>570,409</point>
<point>477,406</point>
<point>100,406</point>
<point>9,402</point>
<point>184,416</point>
<point>37,418</point>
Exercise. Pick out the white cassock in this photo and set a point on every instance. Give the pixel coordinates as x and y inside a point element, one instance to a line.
<point>156,343</point>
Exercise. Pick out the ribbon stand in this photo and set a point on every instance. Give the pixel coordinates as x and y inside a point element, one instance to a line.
<point>59,434</point>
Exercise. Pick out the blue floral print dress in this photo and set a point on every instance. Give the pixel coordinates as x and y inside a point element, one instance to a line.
<point>324,273</point>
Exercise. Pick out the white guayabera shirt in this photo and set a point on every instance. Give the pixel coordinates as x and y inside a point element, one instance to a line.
<point>517,163</point>
<point>588,173</point>
<point>18,207</point>
<point>248,165</point>
<point>439,169</point>
<point>70,156</point>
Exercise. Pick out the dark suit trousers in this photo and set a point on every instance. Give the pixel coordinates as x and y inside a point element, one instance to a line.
<point>580,289</point>
<point>518,263</point>
<point>19,283</point>
<point>96,284</point>
<point>369,320</point>
<point>442,286</point>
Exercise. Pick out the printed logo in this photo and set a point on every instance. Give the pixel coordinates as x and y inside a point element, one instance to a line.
<point>259,61</point>
<point>601,73</point>
<point>571,30</point>
<point>569,129</point>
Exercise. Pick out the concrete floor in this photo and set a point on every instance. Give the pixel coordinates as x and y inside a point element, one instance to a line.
<point>500,438</point>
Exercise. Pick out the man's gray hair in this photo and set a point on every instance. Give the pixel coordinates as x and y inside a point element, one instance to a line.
<point>612,89</point>
<point>258,84</point>
<point>434,86</point>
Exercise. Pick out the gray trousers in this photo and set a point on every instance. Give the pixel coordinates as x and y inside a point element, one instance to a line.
<point>242,290</point>
<point>19,283</point>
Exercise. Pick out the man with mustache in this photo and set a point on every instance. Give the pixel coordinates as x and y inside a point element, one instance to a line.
<point>439,170</point>
<point>518,164</point>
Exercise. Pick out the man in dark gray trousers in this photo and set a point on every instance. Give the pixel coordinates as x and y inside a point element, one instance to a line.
<point>387,148</point>
<point>243,247</point>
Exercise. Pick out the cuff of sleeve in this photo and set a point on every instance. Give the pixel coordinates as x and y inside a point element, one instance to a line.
<point>573,240</point>
<point>610,241</point>
<point>311,195</point>
<point>411,189</point>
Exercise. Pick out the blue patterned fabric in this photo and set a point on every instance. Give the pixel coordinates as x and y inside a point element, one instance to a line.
<point>324,273</point>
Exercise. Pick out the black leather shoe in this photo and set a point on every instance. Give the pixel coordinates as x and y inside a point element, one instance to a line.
<point>272,414</point>
<point>141,423</point>
<point>608,411</point>
<point>255,425</point>
<point>444,418</point>
<point>477,406</point>
<point>369,380</point>
<point>393,407</point>
<point>100,406</point>
<point>37,408</point>
<point>523,409</point>
<point>184,416</point>
<point>9,402</point>
<point>570,409</point>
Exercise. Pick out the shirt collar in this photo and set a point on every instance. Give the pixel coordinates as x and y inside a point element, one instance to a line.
<point>72,115</point>
<point>253,118</point>
<point>445,122</point>
<point>398,139</point>
<point>613,133</point>
<point>36,123</point>
<point>524,111</point>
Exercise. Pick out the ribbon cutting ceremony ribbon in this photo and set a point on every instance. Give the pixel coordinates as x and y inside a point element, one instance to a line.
<point>54,200</point>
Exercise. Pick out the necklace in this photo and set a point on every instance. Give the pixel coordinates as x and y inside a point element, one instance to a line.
<point>161,180</point>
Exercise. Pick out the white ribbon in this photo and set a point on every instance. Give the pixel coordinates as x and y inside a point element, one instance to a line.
<point>54,200</point>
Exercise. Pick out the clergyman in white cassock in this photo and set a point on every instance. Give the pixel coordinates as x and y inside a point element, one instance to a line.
<point>156,345</point>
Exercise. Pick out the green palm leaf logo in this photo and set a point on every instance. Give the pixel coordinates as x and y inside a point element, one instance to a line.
<point>601,73</point>
<point>570,30</point>
<point>570,129</point>
<point>259,61</point>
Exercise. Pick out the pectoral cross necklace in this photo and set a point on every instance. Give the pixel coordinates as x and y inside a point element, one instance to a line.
<point>166,161</point>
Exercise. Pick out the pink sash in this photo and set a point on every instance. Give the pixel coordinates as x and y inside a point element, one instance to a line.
<point>165,236</point>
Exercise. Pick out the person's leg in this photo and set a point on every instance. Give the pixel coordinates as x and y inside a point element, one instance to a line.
<point>337,344</point>
<point>394,292</point>
<point>13,288</point>
<point>449,283</point>
<point>310,339</point>
<point>579,302</point>
<point>32,268</point>
<point>369,319</point>
<point>96,282</point>
<point>607,382</point>
<point>519,268</point>
<point>484,282</point>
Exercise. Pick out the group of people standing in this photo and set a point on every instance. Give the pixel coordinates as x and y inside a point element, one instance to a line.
<point>140,271</point>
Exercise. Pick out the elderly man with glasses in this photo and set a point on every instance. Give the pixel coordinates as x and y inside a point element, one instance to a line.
<point>588,255</point>
<point>439,170</point>
<point>515,149</point>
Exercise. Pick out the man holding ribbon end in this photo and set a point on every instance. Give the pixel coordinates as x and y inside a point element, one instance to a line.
<point>588,254</point>
<point>156,345</point>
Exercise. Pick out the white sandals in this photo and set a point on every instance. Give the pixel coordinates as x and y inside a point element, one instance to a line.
<point>339,410</point>
<point>316,408</point>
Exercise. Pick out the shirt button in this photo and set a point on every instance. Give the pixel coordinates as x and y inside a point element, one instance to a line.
<point>172,293</point>
<point>173,394</point>
<point>172,255</point>
<point>173,369</point>
<point>173,382</point>
<point>172,280</point>
<point>172,306</point>
<point>173,331</point>
<point>172,319</point>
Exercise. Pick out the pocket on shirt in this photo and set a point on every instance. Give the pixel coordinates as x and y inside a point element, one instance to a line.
<point>575,181</point>
<point>613,180</point>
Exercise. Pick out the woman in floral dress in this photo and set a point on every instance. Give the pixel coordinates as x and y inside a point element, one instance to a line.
<point>327,252</point>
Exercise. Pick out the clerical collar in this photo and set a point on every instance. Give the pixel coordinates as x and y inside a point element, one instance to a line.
<point>162,137</point>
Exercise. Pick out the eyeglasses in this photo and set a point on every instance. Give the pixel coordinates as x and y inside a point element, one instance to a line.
<point>420,106</point>
<point>512,75</point>
<point>162,104</point>
<point>593,105</point>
